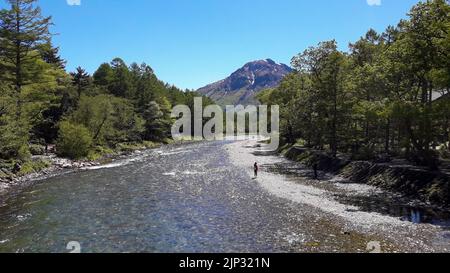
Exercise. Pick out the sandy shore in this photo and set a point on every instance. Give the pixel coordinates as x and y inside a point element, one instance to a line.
<point>416,237</point>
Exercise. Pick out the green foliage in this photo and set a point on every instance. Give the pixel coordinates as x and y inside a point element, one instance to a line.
<point>157,120</point>
<point>13,133</point>
<point>379,97</point>
<point>33,166</point>
<point>74,140</point>
<point>36,149</point>
<point>99,152</point>
<point>32,68</point>
<point>109,119</point>
<point>51,56</point>
<point>23,29</point>
<point>81,80</point>
<point>364,153</point>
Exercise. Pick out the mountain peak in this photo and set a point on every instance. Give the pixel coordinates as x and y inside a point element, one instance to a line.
<point>243,84</point>
<point>266,62</point>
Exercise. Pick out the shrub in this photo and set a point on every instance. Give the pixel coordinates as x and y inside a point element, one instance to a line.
<point>444,151</point>
<point>33,166</point>
<point>110,120</point>
<point>74,140</point>
<point>24,153</point>
<point>364,153</point>
<point>13,139</point>
<point>99,152</point>
<point>36,149</point>
<point>424,158</point>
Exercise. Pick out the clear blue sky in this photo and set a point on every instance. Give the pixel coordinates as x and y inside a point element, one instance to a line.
<point>191,43</point>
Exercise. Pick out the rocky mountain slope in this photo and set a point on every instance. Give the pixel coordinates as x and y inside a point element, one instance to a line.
<point>242,86</point>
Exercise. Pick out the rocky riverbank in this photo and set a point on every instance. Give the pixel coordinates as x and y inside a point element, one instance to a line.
<point>50,165</point>
<point>38,167</point>
<point>13,176</point>
<point>53,166</point>
<point>396,176</point>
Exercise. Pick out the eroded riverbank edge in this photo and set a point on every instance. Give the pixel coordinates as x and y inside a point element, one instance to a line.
<point>396,235</point>
<point>430,187</point>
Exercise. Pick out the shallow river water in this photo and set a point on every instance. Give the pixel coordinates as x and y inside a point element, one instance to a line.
<point>191,198</point>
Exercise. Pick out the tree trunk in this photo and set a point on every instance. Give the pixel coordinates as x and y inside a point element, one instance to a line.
<point>18,64</point>
<point>387,136</point>
<point>18,49</point>
<point>448,134</point>
<point>334,122</point>
<point>100,128</point>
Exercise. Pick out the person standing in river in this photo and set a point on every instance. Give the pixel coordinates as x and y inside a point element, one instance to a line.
<point>256,168</point>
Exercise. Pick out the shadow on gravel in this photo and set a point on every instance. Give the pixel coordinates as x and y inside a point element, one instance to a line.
<point>382,202</point>
<point>397,206</point>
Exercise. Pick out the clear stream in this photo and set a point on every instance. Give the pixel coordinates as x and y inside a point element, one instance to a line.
<point>175,199</point>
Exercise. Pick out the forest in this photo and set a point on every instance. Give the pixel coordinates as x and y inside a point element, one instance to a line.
<point>77,114</point>
<point>387,96</point>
